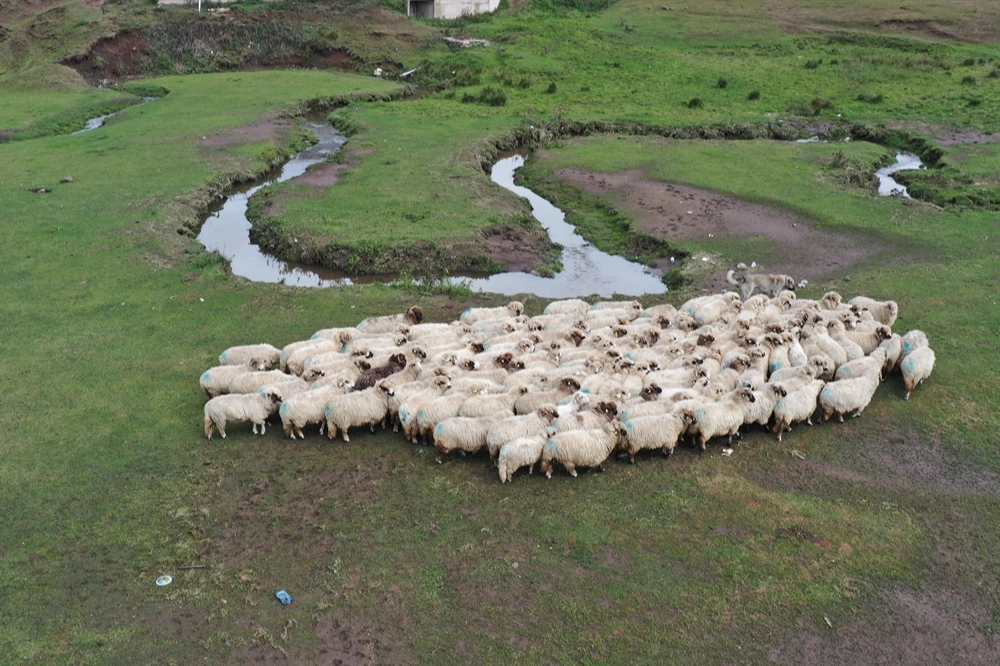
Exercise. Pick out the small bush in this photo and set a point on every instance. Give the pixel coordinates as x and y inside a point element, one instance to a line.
<point>968,80</point>
<point>813,64</point>
<point>551,89</point>
<point>585,89</point>
<point>968,62</point>
<point>815,107</point>
<point>754,95</point>
<point>721,83</point>
<point>871,99</point>
<point>995,74</point>
<point>695,103</point>
<point>973,102</point>
<point>489,96</point>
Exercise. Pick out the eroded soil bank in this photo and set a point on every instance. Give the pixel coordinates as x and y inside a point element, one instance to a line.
<point>680,212</point>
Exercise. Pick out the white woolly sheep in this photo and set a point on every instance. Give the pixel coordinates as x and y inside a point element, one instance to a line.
<point>463,433</point>
<point>571,306</point>
<point>389,323</point>
<point>249,382</point>
<point>797,406</point>
<point>430,414</point>
<point>869,338</point>
<point>492,404</point>
<point>515,427</point>
<point>531,401</point>
<point>884,312</point>
<point>914,340</point>
<point>367,407</point>
<point>473,315</point>
<point>580,448</point>
<point>254,407</point>
<point>215,381</point>
<point>761,410</point>
<point>653,432</point>
<point>916,367</point>
<point>873,363</point>
<point>893,347</point>
<point>721,417</point>
<point>847,395</point>
<point>307,408</point>
<point>408,399</point>
<point>251,355</point>
<point>517,453</point>
<point>342,336</point>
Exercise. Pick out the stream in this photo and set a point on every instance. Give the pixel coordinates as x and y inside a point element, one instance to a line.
<point>887,186</point>
<point>586,270</point>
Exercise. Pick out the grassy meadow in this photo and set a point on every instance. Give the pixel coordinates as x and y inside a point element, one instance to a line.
<point>873,540</point>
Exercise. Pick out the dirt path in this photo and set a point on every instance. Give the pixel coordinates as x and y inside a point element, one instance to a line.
<point>680,212</point>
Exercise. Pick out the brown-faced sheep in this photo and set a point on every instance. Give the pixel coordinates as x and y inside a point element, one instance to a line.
<point>397,362</point>
<point>389,323</point>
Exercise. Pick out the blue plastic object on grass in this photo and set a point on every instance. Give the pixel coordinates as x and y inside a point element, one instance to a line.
<point>283,597</point>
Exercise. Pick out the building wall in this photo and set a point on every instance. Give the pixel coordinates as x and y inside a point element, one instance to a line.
<point>450,9</point>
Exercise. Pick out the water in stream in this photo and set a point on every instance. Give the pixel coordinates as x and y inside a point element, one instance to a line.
<point>887,186</point>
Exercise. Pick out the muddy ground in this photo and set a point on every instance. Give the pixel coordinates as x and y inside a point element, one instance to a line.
<point>679,212</point>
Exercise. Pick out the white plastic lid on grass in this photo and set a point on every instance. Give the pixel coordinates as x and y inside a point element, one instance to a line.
<point>164,580</point>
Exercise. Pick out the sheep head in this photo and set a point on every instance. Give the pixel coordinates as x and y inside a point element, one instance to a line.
<point>415,314</point>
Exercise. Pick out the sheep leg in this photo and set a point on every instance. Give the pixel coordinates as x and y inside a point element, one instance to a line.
<point>344,433</point>
<point>571,468</point>
<point>209,427</point>
<point>262,427</point>
<point>222,428</point>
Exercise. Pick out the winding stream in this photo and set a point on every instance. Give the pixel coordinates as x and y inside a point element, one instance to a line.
<point>586,270</point>
<point>887,186</point>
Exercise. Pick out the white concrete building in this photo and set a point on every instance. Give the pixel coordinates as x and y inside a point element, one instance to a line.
<point>449,9</point>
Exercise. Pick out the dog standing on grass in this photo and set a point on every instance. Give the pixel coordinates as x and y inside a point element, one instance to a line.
<point>771,284</point>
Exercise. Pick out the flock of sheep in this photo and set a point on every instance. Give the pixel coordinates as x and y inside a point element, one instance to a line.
<point>580,382</point>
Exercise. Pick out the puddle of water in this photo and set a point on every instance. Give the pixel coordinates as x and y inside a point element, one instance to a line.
<point>887,186</point>
<point>586,270</point>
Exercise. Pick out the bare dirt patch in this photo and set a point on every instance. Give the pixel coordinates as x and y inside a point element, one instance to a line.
<point>517,248</point>
<point>322,175</point>
<point>681,212</point>
<point>925,626</point>
<point>260,130</point>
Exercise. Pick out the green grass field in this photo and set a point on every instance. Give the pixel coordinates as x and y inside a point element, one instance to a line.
<point>879,539</point>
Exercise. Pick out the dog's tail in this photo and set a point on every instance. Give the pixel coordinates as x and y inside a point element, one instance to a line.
<point>731,279</point>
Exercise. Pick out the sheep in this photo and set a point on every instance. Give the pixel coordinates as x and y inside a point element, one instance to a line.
<point>580,448</point>
<point>514,427</point>
<point>721,417</point>
<point>249,382</point>
<point>762,408</point>
<point>407,400</point>
<point>653,432</point>
<point>389,323</point>
<point>430,414</point>
<point>251,355</point>
<point>215,381</point>
<point>254,407</point>
<point>796,406</point>
<point>869,339</point>
<point>492,404</point>
<point>307,408</point>
<point>873,363</point>
<point>354,409</point>
<point>517,453</point>
<point>914,340</point>
<point>884,312</point>
<point>708,309</point>
<point>916,367</point>
<point>531,401</point>
<point>462,433</point>
<point>397,362</point>
<point>893,352</point>
<point>665,310</point>
<point>473,315</point>
<point>294,359</point>
<point>572,306</point>
<point>588,419</point>
<point>847,395</point>
<point>343,336</point>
